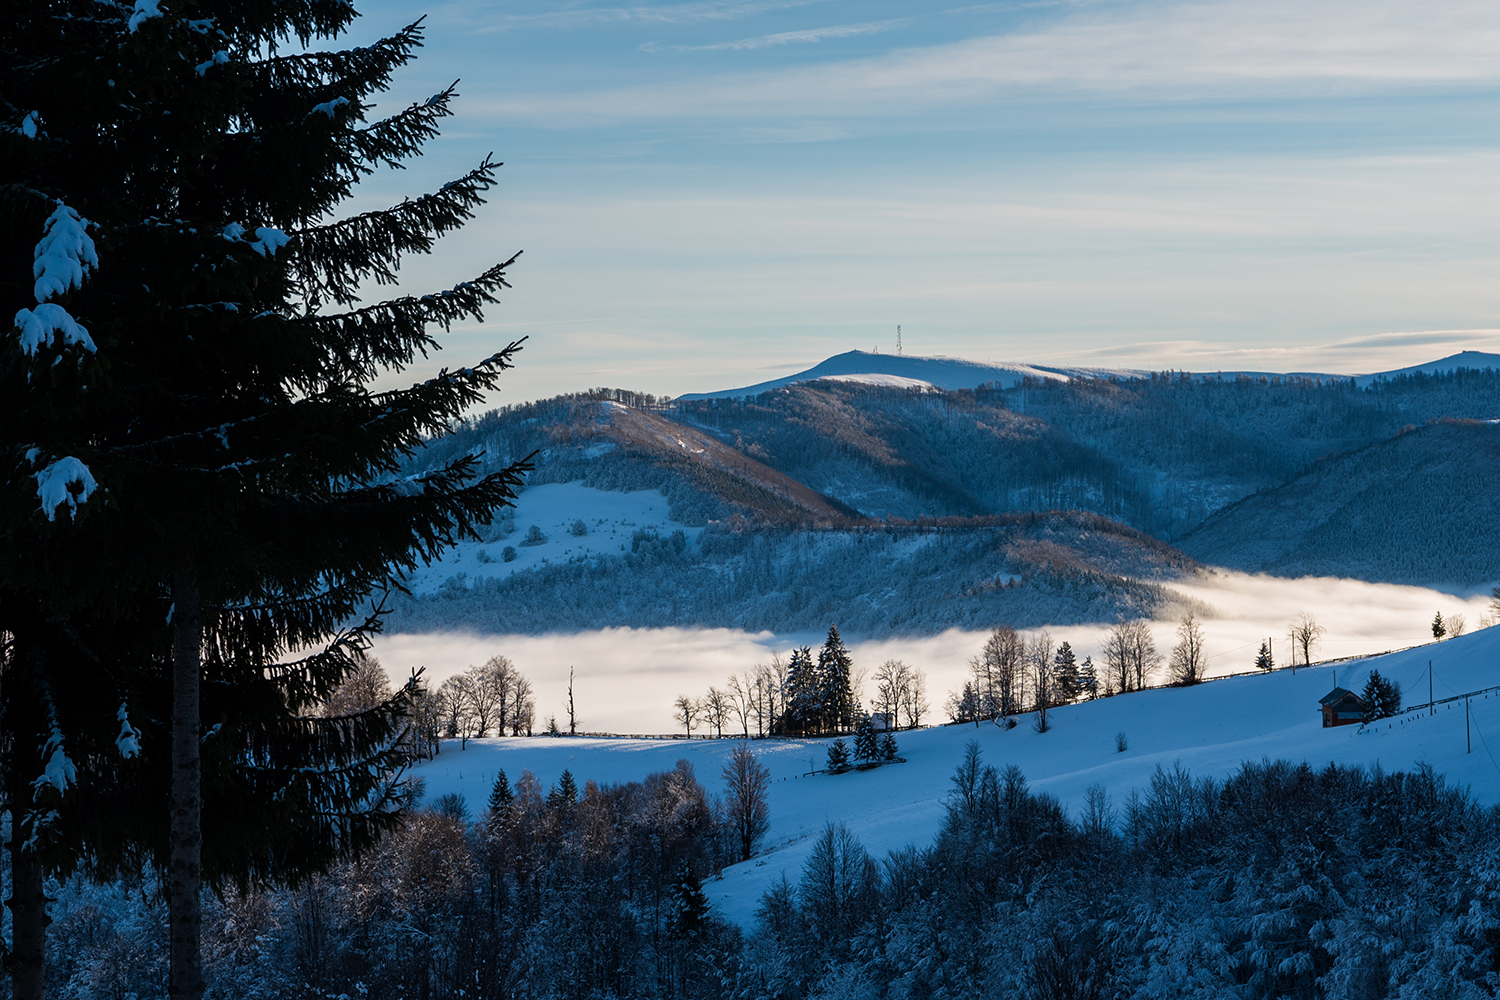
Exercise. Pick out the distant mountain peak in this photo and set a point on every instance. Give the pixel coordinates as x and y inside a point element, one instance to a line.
<point>938,371</point>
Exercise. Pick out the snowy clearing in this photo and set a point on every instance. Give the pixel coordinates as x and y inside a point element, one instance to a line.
<point>610,517</point>
<point>1209,729</point>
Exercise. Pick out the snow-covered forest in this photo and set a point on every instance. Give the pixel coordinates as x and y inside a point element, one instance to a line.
<point>1281,880</point>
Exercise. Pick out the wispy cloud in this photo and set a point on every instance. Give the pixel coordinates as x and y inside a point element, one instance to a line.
<point>680,13</point>
<point>1183,51</point>
<point>1346,356</point>
<point>783,37</point>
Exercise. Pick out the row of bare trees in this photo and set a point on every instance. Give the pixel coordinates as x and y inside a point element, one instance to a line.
<point>493,698</point>
<point>756,702</point>
<point>1014,673</point>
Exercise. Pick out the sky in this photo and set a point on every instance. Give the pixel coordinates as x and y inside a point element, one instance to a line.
<point>718,192</point>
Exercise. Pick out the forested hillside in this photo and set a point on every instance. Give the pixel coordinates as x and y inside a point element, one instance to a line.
<point>1027,569</point>
<point>823,499</point>
<point>1419,508</point>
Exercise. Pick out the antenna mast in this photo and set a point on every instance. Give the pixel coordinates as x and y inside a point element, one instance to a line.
<point>898,338</point>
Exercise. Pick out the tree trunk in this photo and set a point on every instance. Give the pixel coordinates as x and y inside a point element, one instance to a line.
<point>28,900</point>
<point>185,862</point>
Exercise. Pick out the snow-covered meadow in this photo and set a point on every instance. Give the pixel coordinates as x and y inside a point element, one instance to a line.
<point>1209,729</point>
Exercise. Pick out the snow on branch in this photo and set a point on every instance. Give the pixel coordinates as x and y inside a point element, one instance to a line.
<point>40,324</point>
<point>144,11</point>
<point>59,772</point>
<point>329,108</point>
<point>55,483</point>
<point>129,740</point>
<point>65,254</point>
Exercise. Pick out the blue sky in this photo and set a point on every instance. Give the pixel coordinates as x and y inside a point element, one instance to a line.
<point>717,192</point>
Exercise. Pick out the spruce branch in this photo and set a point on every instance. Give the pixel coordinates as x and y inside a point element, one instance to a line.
<point>330,261</point>
<point>388,335</point>
<point>392,140</point>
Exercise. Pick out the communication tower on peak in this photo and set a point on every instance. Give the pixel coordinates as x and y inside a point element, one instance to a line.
<point>898,338</point>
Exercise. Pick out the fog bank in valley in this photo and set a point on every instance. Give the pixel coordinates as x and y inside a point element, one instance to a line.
<point>626,679</point>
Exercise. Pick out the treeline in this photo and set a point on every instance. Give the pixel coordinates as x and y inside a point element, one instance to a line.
<point>875,582</point>
<point>1277,881</point>
<point>799,696</point>
<point>1014,673</point>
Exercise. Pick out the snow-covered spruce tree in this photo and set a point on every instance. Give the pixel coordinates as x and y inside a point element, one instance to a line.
<point>189,436</point>
<point>835,668</point>
<point>802,695</point>
<point>865,745</point>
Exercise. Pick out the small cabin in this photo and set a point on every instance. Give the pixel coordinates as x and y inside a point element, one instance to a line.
<point>1342,707</point>
<point>882,721</point>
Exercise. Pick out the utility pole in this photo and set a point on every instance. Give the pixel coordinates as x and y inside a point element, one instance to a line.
<point>1431,707</point>
<point>1468,740</point>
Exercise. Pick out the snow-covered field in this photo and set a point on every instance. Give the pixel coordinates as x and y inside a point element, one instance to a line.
<point>610,518</point>
<point>1208,729</point>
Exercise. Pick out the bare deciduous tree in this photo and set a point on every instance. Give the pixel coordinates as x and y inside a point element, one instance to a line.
<point>1039,660</point>
<point>740,695</point>
<point>1306,633</point>
<point>748,782</point>
<point>715,710</point>
<point>687,712</point>
<point>363,689</point>
<point>1116,654</point>
<point>1188,662</point>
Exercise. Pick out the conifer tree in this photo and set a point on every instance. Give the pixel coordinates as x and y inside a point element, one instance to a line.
<point>835,667</point>
<point>188,423</point>
<point>501,795</point>
<point>1065,673</point>
<point>802,695</point>
<point>1439,629</point>
<point>1263,659</point>
<point>1381,696</point>
<point>865,745</point>
<point>888,747</point>
<point>690,905</point>
<point>1088,679</point>
<point>838,755</point>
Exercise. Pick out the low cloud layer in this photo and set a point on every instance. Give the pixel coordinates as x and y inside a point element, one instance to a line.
<point>626,679</point>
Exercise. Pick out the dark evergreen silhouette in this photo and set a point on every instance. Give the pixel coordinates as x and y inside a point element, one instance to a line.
<point>1065,673</point>
<point>1088,679</point>
<point>803,696</point>
<point>187,390</point>
<point>835,667</point>
<point>1381,696</point>
<point>888,748</point>
<point>1263,659</point>
<point>500,794</point>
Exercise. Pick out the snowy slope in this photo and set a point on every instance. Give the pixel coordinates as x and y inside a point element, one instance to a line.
<point>1208,729</point>
<point>939,372</point>
<point>907,371</point>
<point>611,518</point>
